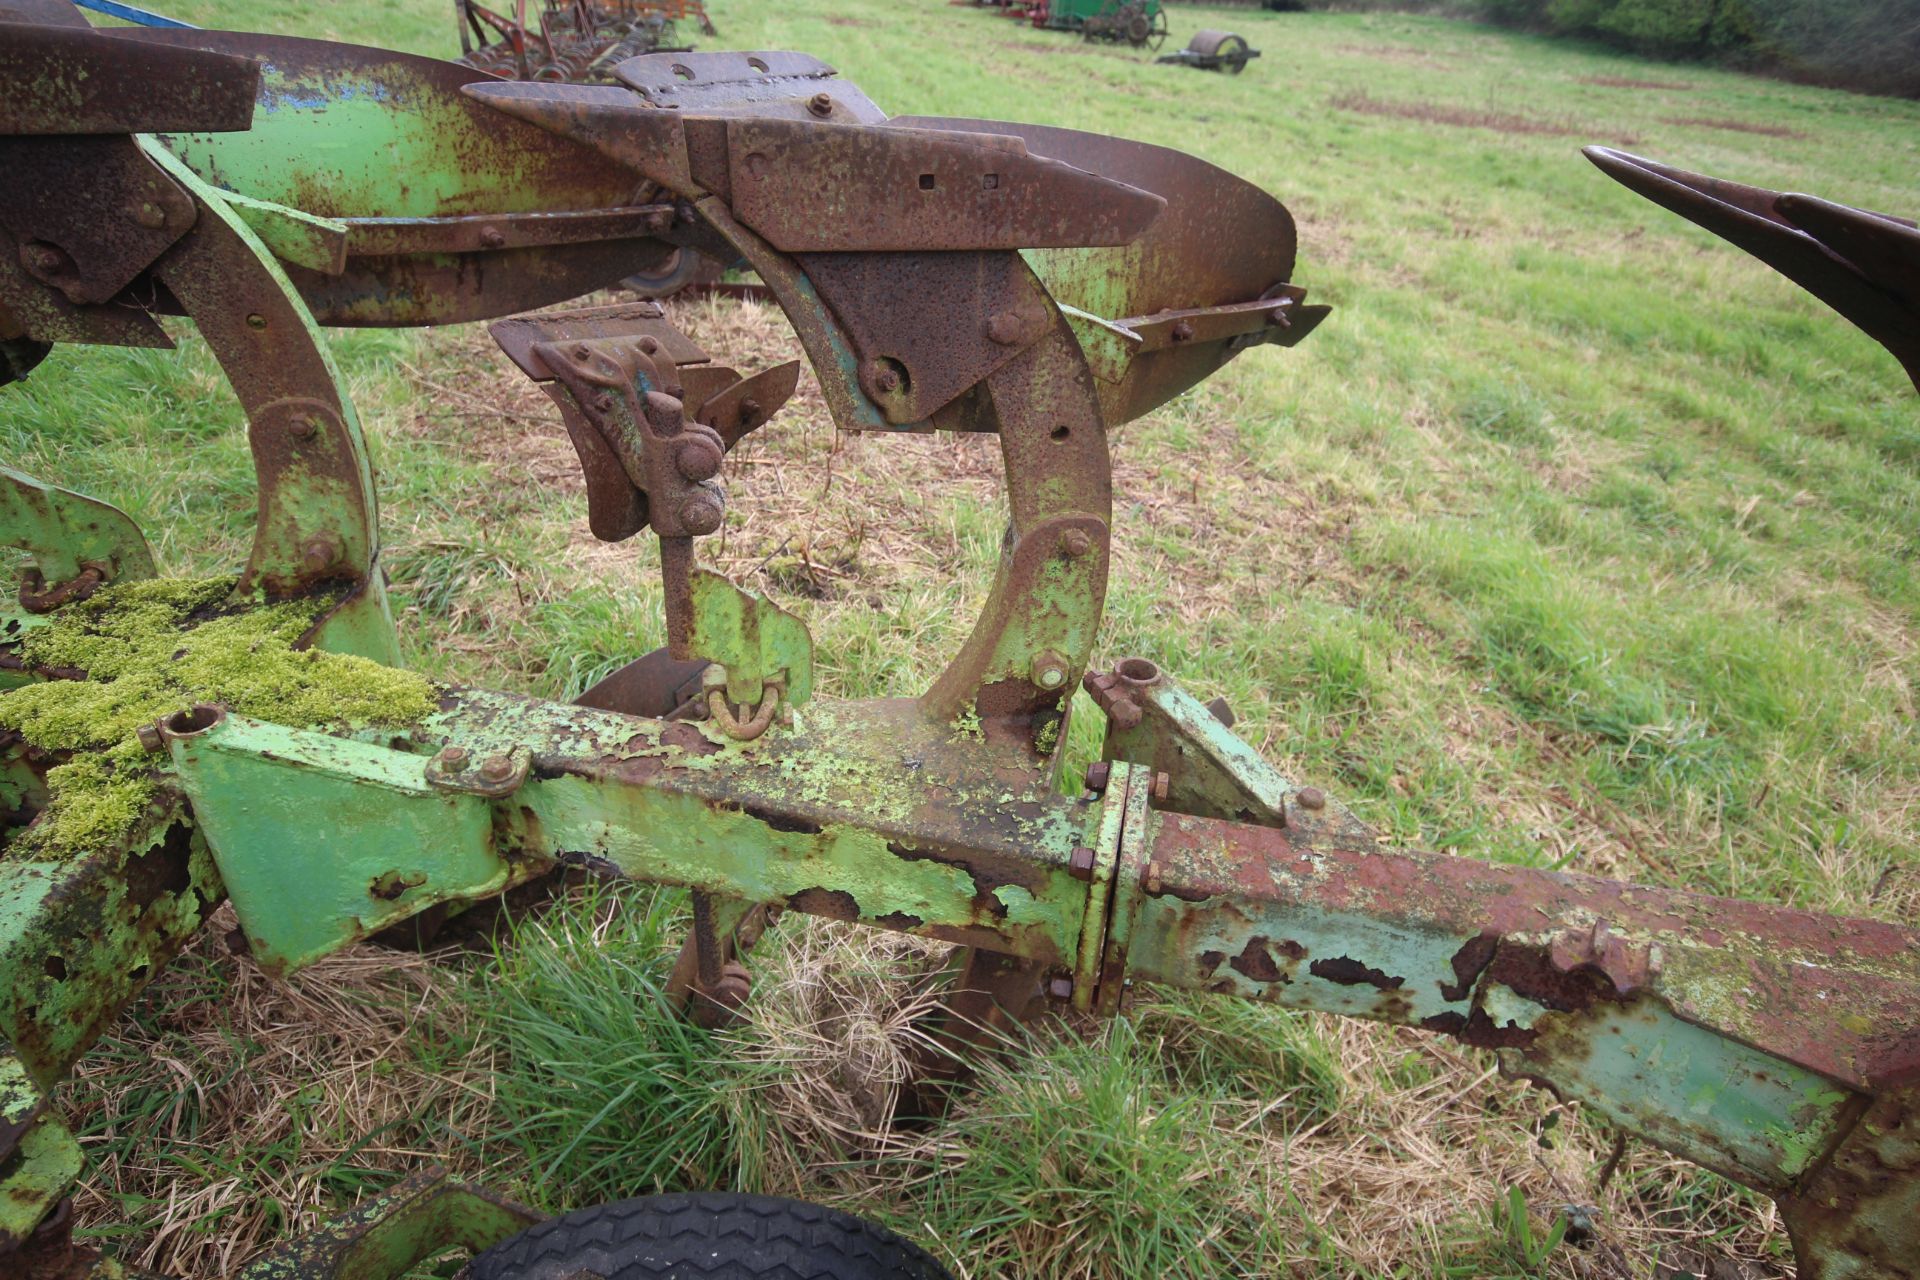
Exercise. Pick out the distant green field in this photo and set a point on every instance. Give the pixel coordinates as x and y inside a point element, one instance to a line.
<point>1572,538</point>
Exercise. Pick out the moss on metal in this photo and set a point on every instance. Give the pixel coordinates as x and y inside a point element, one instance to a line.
<point>153,647</point>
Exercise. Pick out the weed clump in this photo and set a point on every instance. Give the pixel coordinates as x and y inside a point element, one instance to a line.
<point>150,648</point>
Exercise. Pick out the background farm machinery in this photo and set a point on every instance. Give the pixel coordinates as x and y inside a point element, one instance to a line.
<point>168,743</point>
<point>578,42</point>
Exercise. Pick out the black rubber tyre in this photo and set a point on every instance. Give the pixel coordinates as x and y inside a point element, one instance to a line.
<point>710,1236</point>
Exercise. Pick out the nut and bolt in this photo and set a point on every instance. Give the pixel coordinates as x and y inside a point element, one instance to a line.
<point>1060,987</point>
<point>320,553</point>
<point>603,403</point>
<point>451,759</point>
<point>749,409</point>
<point>43,259</point>
<point>820,104</point>
<point>1098,774</point>
<point>886,379</point>
<point>697,460</point>
<point>1049,671</point>
<point>1162,787</point>
<point>305,427</point>
<point>1004,328</point>
<point>492,237</point>
<point>1310,798</point>
<point>150,215</point>
<point>701,514</point>
<point>1279,314</point>
<point>496,768</point>
<point>1182,332</point>
<point>1076,542</point>
<point>1080,863</point>
<point>649,344</point>
<point>256,321</point>
<point>580,351</point>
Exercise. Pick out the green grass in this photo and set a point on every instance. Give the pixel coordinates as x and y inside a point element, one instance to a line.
<point>1573,537</point>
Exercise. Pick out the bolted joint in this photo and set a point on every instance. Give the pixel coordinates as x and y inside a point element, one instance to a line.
<point>698,458</point>
<point>1099,773</point>
<point>820,104</point>
<point>1049,670</point>
<point>1080,864</point>
<point>702,512</point>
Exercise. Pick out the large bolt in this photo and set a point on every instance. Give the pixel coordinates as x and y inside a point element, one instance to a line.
<point>319,553</point>
<point>1076,542</point>
<point>1004,328</point>
<point>149,737</point>
<point>150,215</point>
<point>1099,773</point>
<point>886,379</point>
<point>496,768</point>
<point>1162,788</point>
<point>697,459</point>
<point>44,259</point>
<point>1080,863</point>
<point>451,759</point>
<point>820,104</point>
<point>305,427</point>
<point>1049,670</point>
<point>701,513</point>
<point>1310,798</point>
<point>648,344</point>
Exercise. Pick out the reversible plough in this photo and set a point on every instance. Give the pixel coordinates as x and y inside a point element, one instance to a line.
<point>169,746</point>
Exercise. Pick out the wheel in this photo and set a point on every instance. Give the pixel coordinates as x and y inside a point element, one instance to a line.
<point>1160,30</point>
<point>684,268</point>
<point>709,1236</point>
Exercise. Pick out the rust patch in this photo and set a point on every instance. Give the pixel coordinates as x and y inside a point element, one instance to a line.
<point>1478,1030</point>
<point>1210,961</point>
<point>835,904</point>
<point>1351,973</point>
<point>781,821</point>
<point>1254,962</point>
<point>1468,963</point>
<point>1530,972</point>
<point>902,920</point>
<point>685,737</point>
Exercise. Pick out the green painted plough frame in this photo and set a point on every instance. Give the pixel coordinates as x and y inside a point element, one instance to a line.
<point>1035,283</point>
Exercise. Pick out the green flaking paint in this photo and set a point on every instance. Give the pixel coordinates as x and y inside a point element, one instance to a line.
<point>154,647</point>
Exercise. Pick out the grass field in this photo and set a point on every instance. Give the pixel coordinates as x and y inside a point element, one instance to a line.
<point>1572,538</point>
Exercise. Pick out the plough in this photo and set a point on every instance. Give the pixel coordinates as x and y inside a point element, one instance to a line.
<point>169,743</point>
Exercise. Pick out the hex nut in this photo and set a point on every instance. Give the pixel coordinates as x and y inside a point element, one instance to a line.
<point>149,737</point>
<point>496,768</point>
<point>452,759</point>
<point>1098,774</point>
<point>1080,863</point>
<point>1060,987</point>
<point>1162,787</point>
<point>1076,542</point>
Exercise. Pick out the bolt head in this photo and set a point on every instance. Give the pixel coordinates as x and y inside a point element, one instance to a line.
<point>1098,775</point>
<point>319,554</point>
<point>1162,788</point>
<point>1060,988</point>
<point>496,768</point>
<point>701,514</point>
<point>820,104</point>
<point>1310,798</point>
<point>452,759</point>
<point>1125,713</point>
<point>697,459</point>
<point>580,351</point>
<point>42,258</point>
<point>150,215</point>
<point>1080,863</point>
<point>1076,542</point>
<point>149,737</point>
<point>648,344</point>
<point>1279,316</point>
<point>305,428</point>
<point>886,380</point>
<point>492,237</point>
<point>1182,332</point>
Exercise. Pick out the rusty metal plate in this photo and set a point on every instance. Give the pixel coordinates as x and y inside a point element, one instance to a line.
<point>517,335</point>
<point>766,83</point>
<point>823,188</point>
<point>415,289</point>
<point>90,213</point>
<point>926,326</point>
<point>69,80</point>
<point>476,233</point>
<point>613,122</point>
